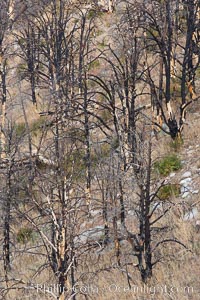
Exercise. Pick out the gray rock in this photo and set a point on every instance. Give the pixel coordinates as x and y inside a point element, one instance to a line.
<point>190,152</point>
<point>93,234</point>
<point>131,212</point>
<point>195,176</point>
<point>195,191</point>
<point>186,181</point>
<point>186,174</point>
<point>96,213</point>
<point>191,214</point>
<point>184,189</point>
<point>156,206</point>
<point>185,195</point>
<point>165,127</point>
<point>172,174</point>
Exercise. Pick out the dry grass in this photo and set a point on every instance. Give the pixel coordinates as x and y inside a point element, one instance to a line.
<point>180,268</point>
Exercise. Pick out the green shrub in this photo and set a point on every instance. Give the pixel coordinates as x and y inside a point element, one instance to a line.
<point>168,191</point>
<point>77,159</point>
<point>168,164</point>
<point>99,154</point>
<point>22,71</point>
<point>115,143</point>
<point>76,162</point>
<point>198,72</point>
<point>20,129</point>
<point>24,235</point>
<point>152,33</point>
<point>105,150</point>
<point>106,115</point>
<point>37,124</point>
<point>94,64</point>
<point>94,13</point>
<point>98,32</point>
<point>102,44</point>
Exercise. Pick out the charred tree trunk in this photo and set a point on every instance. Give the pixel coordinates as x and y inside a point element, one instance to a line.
<point>87,146</point>
<point>7,222</point>
<point>147,231</point>
<point>168,59</point>
<point>187,54</point>
<point>121,198</point>
<point>105,213</point>
<point>6,233</point>
<point>144,239</point>
<point>3,101</point>
<point>188,68</point>
<point>85,32</point>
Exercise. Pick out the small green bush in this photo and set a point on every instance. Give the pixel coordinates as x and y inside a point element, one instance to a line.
<point>106,115</point>
<point>20,129</point>
<point>94,64</point>
<point>94,13</point>
<point>22,71</point>
<point>101,153</point>
<point>115,143</point>
<point>105,150</point>
<point>168,164</point>
<point>151,33</point>
<point>75,161</point>
<point>198,72</point>
<point>37,125</point>
<point>24,235</point>
<point>168,191</point>
<point>102,44</point>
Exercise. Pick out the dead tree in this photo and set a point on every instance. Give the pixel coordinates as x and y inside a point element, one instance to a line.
<point>5,22</point>
<point>63,57</point>
<point>4,27</point>
<point>149,211</point>
<point>163,33</point>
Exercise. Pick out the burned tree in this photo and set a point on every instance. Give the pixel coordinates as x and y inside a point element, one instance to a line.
<point>163,37</point>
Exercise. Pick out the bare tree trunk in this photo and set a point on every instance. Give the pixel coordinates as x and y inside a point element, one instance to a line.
<point>83,90</point>
<point>6,233</point>
<point>3,102</point>
<point>168,60</point>
<point>147,231</point>
<point>7,220</point>
<point>61,264</point>
<point>87,148</point>
<point>2,134</point>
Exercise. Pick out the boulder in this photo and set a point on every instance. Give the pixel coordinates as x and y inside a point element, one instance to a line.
<point>186,181</point>
<point>172,174</point>
<point>91,235</point>
<point>185,195</point>
<point>195,191</point>
<point>186,174</point>
<point>191,214</point>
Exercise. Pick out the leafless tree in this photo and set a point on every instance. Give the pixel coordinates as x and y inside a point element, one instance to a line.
<point>90,156</point>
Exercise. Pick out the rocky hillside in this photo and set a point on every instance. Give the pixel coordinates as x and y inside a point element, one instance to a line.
<point>99,150</point>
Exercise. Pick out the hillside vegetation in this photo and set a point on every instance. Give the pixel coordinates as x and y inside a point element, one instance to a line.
<point>99,149</point>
